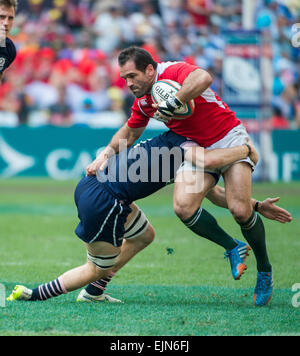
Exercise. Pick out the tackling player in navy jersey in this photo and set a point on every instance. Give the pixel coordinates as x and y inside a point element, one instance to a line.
<point>104,205</point>
<point>7,48</point>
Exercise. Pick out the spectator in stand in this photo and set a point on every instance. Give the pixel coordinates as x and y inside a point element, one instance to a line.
<point>285,92</point>
<point>297,113</point>
<point>226,14</point>
<point>146,24</point>
<point>80,14</point>
<point>64,42</point>
<point>296,104</point>
<point>278,121</point>
<point>200,11</point>
<point>98,92</point>
<point>111,28</point>
<point>177,47</point>
<point>198,56</point>
<point>171,11</point>
<point>41,94</point>
<point>33,9</point>
<point>9,101</point>
<point>274,17</point>
<point>60,113</point>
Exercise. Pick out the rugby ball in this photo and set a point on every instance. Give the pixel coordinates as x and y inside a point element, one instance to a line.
<point>163,89</point>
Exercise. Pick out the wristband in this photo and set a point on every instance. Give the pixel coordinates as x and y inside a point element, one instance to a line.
<point>256,205</point>
<point>249,148</point>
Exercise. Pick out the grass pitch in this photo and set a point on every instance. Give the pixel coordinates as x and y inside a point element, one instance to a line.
<point>187,292</point>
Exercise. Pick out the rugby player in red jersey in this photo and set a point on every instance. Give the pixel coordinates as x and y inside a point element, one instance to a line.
<point>212,125</point>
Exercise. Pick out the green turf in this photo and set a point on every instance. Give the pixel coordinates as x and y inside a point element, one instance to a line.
<point>187,292</point>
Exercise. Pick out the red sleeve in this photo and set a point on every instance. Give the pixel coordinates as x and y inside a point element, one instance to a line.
<point>178,72</point>
<point>137,118</point>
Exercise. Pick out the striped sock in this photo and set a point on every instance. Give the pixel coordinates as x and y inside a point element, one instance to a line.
<point>98,287</point>
<point>49,290</point>
<point>204,224</point>
<point>254,232</point>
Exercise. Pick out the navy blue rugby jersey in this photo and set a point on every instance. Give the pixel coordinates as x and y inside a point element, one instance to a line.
<point>7,54</point>
<point>143,169</point>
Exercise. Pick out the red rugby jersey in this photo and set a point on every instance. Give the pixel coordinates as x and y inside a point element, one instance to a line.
<point>211,120</point>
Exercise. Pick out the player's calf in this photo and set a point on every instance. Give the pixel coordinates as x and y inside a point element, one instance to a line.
<point>138,235</point>
<point>98,266</point>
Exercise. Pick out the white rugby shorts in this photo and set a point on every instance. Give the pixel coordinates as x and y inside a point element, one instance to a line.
<point>235,137</point>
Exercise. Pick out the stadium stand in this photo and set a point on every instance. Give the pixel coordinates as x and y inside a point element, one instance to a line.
<point>66,69</point>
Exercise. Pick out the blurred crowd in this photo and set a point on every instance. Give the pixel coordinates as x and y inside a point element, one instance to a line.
<point>66,69</point>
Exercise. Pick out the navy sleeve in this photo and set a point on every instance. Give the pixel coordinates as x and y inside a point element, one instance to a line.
<point>173,139</point>
<point>7,55</point>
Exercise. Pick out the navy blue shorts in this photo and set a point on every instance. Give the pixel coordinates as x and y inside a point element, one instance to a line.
<point>102,216</point>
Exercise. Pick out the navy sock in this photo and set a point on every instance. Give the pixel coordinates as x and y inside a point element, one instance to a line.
<point>48,290</point>
<point>98,287</point>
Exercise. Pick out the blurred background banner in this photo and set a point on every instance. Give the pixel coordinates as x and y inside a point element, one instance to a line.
<point>243,87</point>
<point>285,161</point>
<point>52,151</point>
<point>242,79</point>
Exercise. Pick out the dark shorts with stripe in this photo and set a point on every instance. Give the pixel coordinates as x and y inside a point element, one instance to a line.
<point>102,216</point>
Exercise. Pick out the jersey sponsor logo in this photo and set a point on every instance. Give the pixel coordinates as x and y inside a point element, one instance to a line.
<point>143,102</point>
<point>2,63</point>
<point>140,107</point>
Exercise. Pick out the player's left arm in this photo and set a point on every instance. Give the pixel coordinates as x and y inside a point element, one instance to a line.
<point>219,157</point>
<point>193,86</point>
<point>267,207</point>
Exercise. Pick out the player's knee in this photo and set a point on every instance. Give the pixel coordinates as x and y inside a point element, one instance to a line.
<point>93,272</point>
<point>241,212</point>
<point>148,237</point>
<point>184,210</point>
<point>143,240</point>
<point>97,273</point>
<point>139,229</point>
<point>100,266</point>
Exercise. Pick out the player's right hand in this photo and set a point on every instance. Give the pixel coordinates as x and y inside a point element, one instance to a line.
<point>254,156</point>
<point>98,163</point>
<point>165,109</point>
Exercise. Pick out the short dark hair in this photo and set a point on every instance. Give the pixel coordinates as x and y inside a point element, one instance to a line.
<point>9,3</point>
<point>139,56</point>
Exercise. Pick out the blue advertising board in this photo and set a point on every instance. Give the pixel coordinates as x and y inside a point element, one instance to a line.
<point>59,153</point>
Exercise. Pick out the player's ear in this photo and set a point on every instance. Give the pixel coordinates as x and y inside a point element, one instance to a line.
<point>149,71</point>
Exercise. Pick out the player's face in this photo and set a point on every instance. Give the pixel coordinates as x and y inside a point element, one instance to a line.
<point>7,16</point>
<point>139,83</point>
